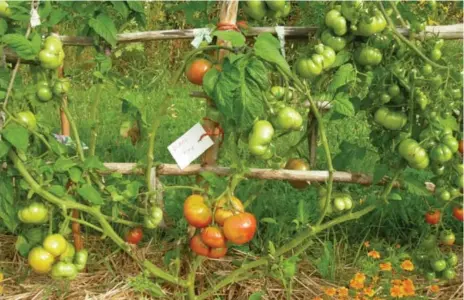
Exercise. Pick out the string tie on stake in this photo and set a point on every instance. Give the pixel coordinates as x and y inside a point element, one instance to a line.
<point>35,17</point>
<point>280,30</point>
<point>227,26</point>
<point>201,34</point>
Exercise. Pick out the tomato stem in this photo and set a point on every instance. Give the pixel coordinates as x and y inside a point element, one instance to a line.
<point>94,119</point>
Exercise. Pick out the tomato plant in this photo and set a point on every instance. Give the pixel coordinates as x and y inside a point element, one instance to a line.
<point>213,237</point>
<point>197,70</point>
<point>196,212</point>
<point>240,229</point>
<point>227,207</point>
<point>40,260</point>
<point>447,238</point>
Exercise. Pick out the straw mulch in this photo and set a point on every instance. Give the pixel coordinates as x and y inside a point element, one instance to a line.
<point>109,275</point>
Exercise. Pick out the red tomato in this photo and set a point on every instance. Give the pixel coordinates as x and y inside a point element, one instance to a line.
<point>240,229</point>
<point>457,213</point>
<point>197,70</point>
<point>197,213</point>
<point>134,236</point>
<point>461,146</point>
<point>217,252</point>
<point>213,237</point>
<point>226,209</point>
<point>198,246</point>
<point>432,217</point>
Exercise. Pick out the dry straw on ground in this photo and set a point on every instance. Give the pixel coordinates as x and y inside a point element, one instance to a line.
<point>109,273</point>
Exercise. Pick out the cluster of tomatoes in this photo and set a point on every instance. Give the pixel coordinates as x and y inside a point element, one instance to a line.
<point>274,10</point>
<point>225,222</point>
<point>58,257</point>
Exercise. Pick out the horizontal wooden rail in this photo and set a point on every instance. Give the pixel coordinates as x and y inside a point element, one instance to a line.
<point>446,32</point>
<point>268,174</point>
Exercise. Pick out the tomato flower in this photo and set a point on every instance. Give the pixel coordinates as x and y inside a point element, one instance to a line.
<point>407,265</point>
<point>330,291</point>
<point>385,266</point>
<point>397,291</point>
<point>374,254</point>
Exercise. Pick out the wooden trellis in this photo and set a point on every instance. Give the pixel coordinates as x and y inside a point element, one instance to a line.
<point>228,15</point>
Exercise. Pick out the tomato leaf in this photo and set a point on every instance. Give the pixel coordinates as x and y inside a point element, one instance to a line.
<point>3,26</point>
<point>395,197</point>
<point>267,47</point>
<point>93,162</point>
<point>104,26</point>
<point>345,74</point>
<point>89,193</point>
<point>56,17</point>
<point>237,90</point>
<point>379,172</point>
<point>57,190</point>
<point>268,220</point>
<point>36,42</point>
<point>7,210</point>
<point>135,6</point>
<point>341,58</point>
<point>17,135</point>
<point>121,8</point>
<point>75,174</point>
<point>4,148</point>
<point>19,44</point>
<point>343,105</point>
<point>415,186</point>
<point>235,38</point>
<point>63,164</point>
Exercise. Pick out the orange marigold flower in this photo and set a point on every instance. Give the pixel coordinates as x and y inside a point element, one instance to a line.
<point>374,254</point>
<point>407,265</point>
<point>317,298</point>
<point>396,282</point>
<point>342,292</point>
<point>367,244</point>
<point>357,285</point>
<point>397,291</point>
<point>409,288</point>
<point>359,277</point>
<point>386,266</point>
<point>434,288</point>
<point>369,291</point>
<point>330,291</point>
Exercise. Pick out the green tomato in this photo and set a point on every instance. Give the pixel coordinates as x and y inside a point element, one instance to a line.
<point>27,119</point>
<point>438,265</point>
<point>307,68</point>
<point>5,11</point>
<point>34,213</point>
<point>256,9</point>
<point>339,204</point>
<point>441,153</point>
<point>443,194</point>
<point>380,41</point>
<point>389,119</point>
<point>61,86</point>
<point>430,242</point>
<point>394,90</point>
<point>460,181</point>
<point>438,169</point>
<point>64,270</point>
<point>459,168</point>
<point>427,69</point>
<point>335,21</point>
<point>327,53</point>
<point>452,259</point>
<point>40,260</point>
<point>439,43</point>
<point>277,5</point>
<point>50,60</point>
<point>418,26</point>
<point>451,142</point>
<point>260,137</point>
<point>279,93</point>
<point>337,43</point>
<point>447,238</point>
<point>56,244</point>
<point>348,202</point>
<point>368,56</point>
<point>449,274</point>
<point>154,217</point>
<point>351,10</point>
<point>456,94</point>
<point>430,276</point>
<point>288,119</point>
<point>80,259</point>
<point>385,98</point>
<point>371,25</point>
<point>436,81</point>
<point>68,255</point>
<point>454,192</point>
<point>44,94</point>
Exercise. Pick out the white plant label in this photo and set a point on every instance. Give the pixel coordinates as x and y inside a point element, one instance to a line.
<point>190,146</point>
